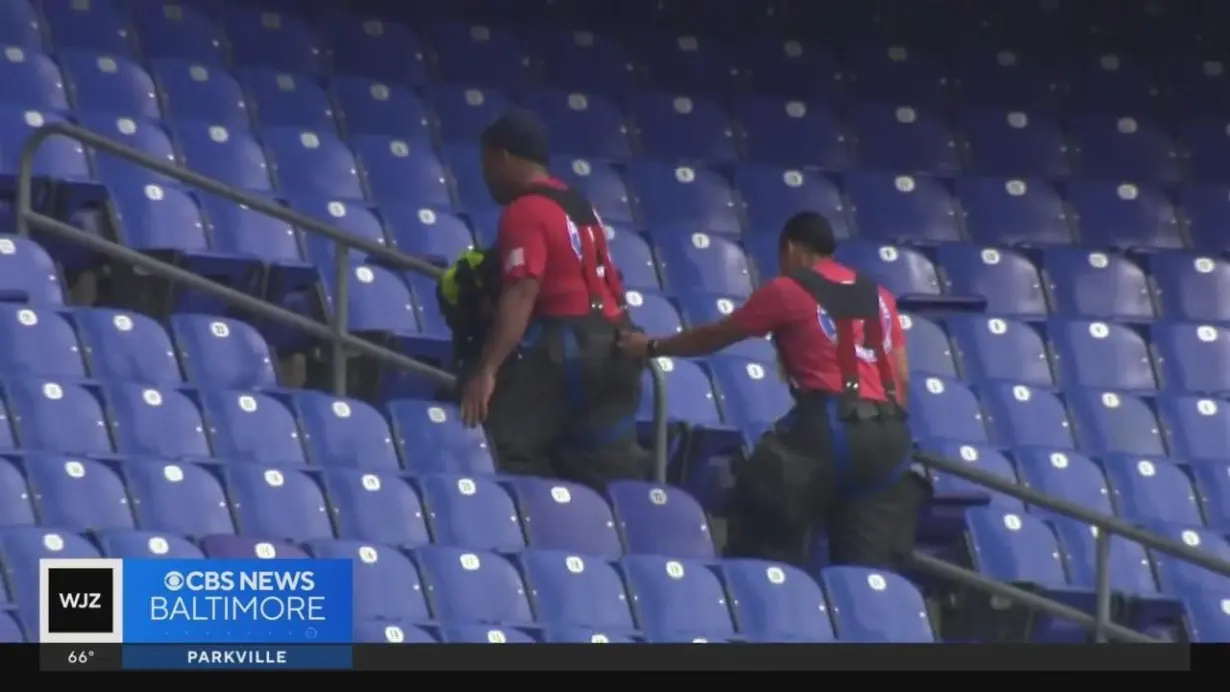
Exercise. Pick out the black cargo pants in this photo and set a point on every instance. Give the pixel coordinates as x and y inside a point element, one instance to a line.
<point>796,477</point>
<point>566,406</point>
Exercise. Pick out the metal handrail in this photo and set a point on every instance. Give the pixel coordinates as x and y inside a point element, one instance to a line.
<point>338,333</point>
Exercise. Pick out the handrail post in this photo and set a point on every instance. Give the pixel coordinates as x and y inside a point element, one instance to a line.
<point>1102,575</point>
<point>659,422</point>
<point>341,317</point>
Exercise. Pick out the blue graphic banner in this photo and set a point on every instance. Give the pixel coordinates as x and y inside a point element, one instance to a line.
<point>236,656</point>
<point>238,601</point>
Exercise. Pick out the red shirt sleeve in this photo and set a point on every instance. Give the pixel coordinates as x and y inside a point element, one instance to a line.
<point>768,308</point>
<point>522,240</point>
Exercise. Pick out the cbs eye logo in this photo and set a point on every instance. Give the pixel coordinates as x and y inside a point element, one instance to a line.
<point>173,581</point>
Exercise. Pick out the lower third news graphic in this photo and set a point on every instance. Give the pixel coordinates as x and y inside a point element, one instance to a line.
<point>193,614</point>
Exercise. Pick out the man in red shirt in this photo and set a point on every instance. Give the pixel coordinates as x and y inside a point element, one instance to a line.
<point>842,453</point>
<point>557,397</point>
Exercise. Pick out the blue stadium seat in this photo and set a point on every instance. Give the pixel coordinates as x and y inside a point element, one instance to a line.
<point>686,61</point>
<point>653,313</point>
<point>275,40</point>
<point>1192,357</point>
<point>1018,548</point>
<point>1008,280</point>
<point>1123,215</point>
<point>1123,148</point>
<point>1196,427</point>
<point>1188,286</point>
<point>901,270</point>
<point>677,596</point>
<point>376,48</point>
<point>344,432</point>
<point>468,586</point>
<point>397,169</point>
<point>126,346</point>
<point>386,582</point>
<point>675,127</point>
<point>144,136</point>
<point>1107,422</point>
<point>373,632</point>
<point>1180,576</point>
<point>1013,211</point>
<point>702,262</point>
<point>878,71</point>
<point>692,401</point>
<point>659,520</point>
<point>1152,492</point>
<point>684,197</point>
<point>789,132</point>
<point>224,353</point>
<point>568,590</point>
<point>772,195</point>
<point>1101,355</point>
<point>752,393</point>
<point>991,76</point>
<point>870,607</point>
<point>99,26</point>
<point>929,349</point>
<point>578,59</point>
<point>1065,475</point>
<point>39,343</point>
<point>26,270</point>
<point>901,208</point>
<point>56,416</point>
<point>902,138</point>
<point>945,409</point>
<point>58,157</point>
<point>178,498</point>
<point>1204,209</point>
<point>281,503</point>
<point>312,163</point>
<point>1204,149</point>
<point>81,495</point>
<point>464,112</point>
<point>21,25</point>
<point>1015,143</point>
<point>370,107</point>
<point>561,516</point>
<point>251,427</point>
<point>999,349</point>
<point>163,423</point>
<point>1112,82</point>
<point>32,80</point>
<point>584,635</point>
<point>203,94</point>
<point>1130,571</point>
<point>484,634</point>
<point>21,548</point>
<point>432,235</point>
<point>631,255</point>
<point>985,458</point>
<point>124,543</point>
<point>178,31</point>
<point>776,603</point>
<point>581,124</point>
<point>381,508</point>
<point>225,153</point>
<point>1096,285</point>
<point>432,439</point>
<point>471,512</point>
<point>109,84</point>
<point>245,548</point>
<point>278,99</point>
<point>18,507</point>
<point>601,184</point>
<point>791,67</point>
<point>478,54</point>
<point>1023,416</point>
<point>10,630</point>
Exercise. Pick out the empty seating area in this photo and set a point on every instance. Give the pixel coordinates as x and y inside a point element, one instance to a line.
<point>1046,156</point>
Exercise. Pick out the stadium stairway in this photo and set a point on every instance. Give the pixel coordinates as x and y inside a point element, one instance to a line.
<point>148,409</point>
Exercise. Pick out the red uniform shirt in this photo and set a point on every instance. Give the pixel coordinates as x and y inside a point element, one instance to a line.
<point>536,240</point>
<point>806,337</point>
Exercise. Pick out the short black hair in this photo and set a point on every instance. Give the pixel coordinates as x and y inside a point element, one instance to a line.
<point>812,231</point>
<point>520,133</point>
